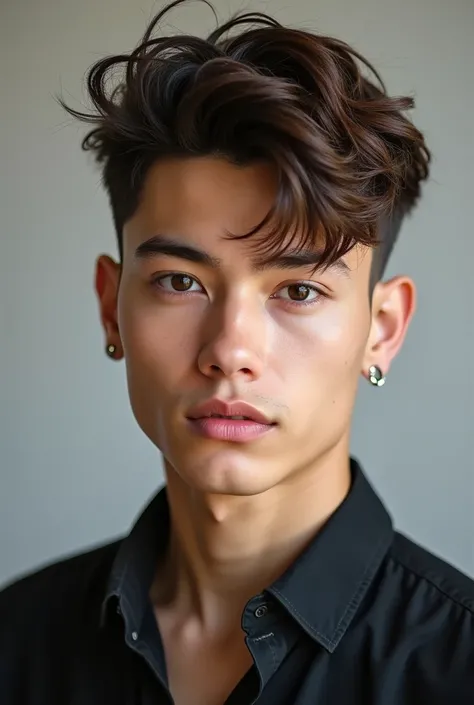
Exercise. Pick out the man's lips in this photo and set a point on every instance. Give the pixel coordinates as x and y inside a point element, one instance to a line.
<point>219,408</point>
<point>236,422</point>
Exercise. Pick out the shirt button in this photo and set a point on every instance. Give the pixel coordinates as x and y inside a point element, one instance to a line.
<point>119,610</point>
<point>261,611</point>
<point>134,636</point>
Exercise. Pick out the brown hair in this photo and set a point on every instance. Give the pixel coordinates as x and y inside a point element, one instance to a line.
<point>349,161</point>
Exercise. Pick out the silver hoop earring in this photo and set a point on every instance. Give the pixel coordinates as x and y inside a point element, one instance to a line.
<point>111,350</point>
<point>376,376</point>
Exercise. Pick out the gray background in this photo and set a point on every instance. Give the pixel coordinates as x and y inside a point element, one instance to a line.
<point>74,467</point>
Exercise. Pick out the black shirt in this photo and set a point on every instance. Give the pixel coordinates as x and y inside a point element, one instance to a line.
<point>363,617</point>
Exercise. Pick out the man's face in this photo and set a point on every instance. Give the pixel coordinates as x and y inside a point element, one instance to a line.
<point>285,340</point>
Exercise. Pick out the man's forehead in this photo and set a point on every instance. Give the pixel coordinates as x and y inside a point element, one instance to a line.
<point>207,229</point>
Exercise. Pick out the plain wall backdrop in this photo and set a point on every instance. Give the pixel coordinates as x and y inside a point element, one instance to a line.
<point>74,468</point>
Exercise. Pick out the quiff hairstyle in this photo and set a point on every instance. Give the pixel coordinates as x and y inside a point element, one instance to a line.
<point>348,159</point>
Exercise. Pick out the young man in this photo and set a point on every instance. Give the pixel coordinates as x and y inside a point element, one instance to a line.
<point>258,181</point>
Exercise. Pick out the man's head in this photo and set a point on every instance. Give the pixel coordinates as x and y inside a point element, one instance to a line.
<point>258,182</point>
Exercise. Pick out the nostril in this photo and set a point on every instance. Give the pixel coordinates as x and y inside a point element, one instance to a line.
<point>243,370</point>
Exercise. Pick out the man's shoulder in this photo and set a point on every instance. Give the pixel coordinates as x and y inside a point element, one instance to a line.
<point>440,581</point>
<point>59,584</point>
<point>46,616</point>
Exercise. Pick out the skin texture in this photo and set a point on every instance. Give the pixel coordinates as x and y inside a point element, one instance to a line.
<point>241,513</point>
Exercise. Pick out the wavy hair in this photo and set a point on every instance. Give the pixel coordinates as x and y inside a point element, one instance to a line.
<point>349,161</point>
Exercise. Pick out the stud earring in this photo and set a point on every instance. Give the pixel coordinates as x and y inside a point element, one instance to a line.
<point>111,350</point>
<point>376,376</point>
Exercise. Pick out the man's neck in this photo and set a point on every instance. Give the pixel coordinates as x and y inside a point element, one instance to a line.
<point>225,549</point>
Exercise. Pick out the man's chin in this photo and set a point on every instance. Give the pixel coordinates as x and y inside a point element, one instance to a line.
<point>227,472</point>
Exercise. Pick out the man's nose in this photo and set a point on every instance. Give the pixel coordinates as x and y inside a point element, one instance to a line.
<point>235,340</point>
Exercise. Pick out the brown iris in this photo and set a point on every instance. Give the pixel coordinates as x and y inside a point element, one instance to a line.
<point>298,292</point>
<point>181,282</point>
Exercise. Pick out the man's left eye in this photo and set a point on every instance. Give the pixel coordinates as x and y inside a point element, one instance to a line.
<point>300,293</point>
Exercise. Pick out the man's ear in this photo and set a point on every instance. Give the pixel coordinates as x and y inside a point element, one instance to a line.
<point>393,306</point>
<point>107,280</point>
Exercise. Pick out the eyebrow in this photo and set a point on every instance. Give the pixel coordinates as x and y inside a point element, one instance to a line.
<point>161,245</point>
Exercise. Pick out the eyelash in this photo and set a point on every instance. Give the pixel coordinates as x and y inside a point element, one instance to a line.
<point>156,282</point>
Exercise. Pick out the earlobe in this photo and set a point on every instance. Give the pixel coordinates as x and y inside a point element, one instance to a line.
<point>393,306</point>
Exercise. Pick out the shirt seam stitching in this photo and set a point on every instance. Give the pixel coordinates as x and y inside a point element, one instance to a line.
<point>458,601</point>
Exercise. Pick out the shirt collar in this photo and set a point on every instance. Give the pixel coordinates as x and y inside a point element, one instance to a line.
<point>134,566</point>
<point>323,588</point>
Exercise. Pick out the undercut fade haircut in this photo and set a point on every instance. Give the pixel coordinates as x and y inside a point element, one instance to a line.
<point>349,161</point>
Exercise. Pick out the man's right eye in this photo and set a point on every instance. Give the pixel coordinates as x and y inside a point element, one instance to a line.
<point>176,283</point>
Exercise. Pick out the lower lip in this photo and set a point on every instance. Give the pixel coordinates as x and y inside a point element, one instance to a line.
<point>233,430</point>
